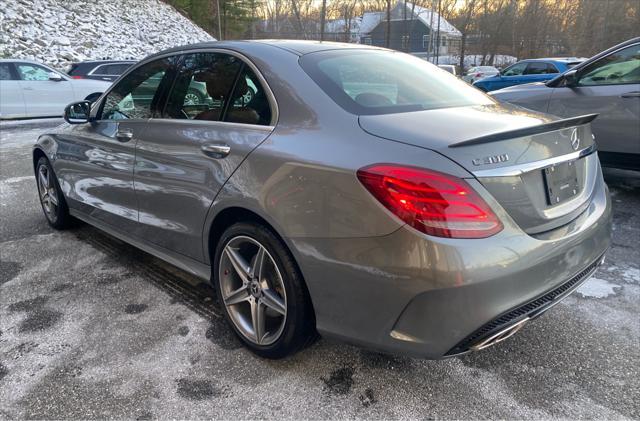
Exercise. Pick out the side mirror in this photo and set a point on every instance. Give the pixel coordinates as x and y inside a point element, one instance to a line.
<point>55,77</point>
<point>571,78</point>
<point>78,112</point>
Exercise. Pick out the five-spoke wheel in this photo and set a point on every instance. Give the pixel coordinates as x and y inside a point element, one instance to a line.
<point>253,290</point>
<point>51,198</point>
<point>262,291</point>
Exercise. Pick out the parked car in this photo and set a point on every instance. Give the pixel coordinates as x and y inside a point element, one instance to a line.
<point>31,89</point>
<point>479,72</point>
<point>527,71</point>
<point>607,84</point>
<point>430,221</point>
<point>449,68</point>
<point>108,70</point>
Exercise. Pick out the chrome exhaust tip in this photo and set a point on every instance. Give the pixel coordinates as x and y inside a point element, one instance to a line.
<point>499,336</point>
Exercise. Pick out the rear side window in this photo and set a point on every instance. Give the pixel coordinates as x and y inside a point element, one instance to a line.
<point>384,82</point>
<point>250,104</point>
<point>139,94</point>
<point>217,87</point>
<point>110,69</point>
<point>202,87</point>
<point>5,72</point>
<point>540,68</point>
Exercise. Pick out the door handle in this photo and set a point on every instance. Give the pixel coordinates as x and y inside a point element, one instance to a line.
<point>124,136</point>
<point>28,88</point>
<point>216,150</point>
<point>635,94</point>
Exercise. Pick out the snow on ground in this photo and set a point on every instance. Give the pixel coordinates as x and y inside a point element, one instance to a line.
<point>597,288</point>
<point>58,32</point>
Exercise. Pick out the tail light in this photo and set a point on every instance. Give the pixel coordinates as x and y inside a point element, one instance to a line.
<point>77,77</point>
<point>478,74</point>
<point>431,202</point>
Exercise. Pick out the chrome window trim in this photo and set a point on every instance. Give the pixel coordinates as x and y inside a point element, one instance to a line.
<point>229,124</point>
<point>517,170</point>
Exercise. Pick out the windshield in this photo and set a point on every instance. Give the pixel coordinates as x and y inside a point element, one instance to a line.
<point>385,82</point>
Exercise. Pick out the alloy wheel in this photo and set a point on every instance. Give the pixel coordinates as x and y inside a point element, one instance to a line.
<point>253,290</point>
<point>48,193</point>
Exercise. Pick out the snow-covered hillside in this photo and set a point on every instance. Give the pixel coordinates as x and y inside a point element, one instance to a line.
<point>58,32</point>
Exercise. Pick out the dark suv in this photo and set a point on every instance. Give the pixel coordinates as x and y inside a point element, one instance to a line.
<point>99,69</point>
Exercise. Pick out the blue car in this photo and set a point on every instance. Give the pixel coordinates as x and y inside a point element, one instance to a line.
<point>527,71</point>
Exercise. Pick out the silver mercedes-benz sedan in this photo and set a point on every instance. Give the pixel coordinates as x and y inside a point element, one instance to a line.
<point>353,191</point>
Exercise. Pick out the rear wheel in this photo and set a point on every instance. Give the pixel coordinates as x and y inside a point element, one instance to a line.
<point>262,291</point>
<point>52,200</point>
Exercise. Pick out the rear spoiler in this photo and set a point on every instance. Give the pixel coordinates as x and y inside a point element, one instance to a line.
<point>528,131</point>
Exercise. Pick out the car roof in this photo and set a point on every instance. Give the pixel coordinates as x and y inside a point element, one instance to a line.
<point>298,47</point>
<point>21,60</point>
<point>558,59</point>
<point>105,61</point>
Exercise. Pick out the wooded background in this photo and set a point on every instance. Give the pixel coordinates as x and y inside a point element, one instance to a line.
<point>521,28</point>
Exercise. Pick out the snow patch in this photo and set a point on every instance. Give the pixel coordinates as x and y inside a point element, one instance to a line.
<point>597,288</point>
<point>14,180</point>
<point>631,275</point>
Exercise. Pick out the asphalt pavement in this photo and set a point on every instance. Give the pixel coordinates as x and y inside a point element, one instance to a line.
<point>93,328</point>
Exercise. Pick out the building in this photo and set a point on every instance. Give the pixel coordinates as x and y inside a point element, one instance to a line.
<point>413,29</point>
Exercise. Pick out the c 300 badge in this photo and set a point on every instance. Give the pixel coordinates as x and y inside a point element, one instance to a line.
<point>495,159</point>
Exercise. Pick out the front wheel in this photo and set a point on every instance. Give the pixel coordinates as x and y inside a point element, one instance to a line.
<point>52,200</point>
<point>262,291</point>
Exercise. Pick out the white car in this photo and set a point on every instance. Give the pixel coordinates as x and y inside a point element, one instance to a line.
<point>29,89</point>
<point>449,68</point>
<point>479,72</point>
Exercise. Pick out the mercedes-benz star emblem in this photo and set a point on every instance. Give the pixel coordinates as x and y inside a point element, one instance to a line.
<point>575,140</point>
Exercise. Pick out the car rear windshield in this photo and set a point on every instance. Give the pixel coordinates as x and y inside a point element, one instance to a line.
<point>385,82</point>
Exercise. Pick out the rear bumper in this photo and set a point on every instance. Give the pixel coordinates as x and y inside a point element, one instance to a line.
<point>433,297</point>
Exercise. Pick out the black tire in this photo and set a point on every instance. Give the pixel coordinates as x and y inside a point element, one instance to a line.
<point>299,325</point>
<point>57,215</point>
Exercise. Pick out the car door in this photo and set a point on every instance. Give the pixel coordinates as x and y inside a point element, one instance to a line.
<point>95,161</point>
<point>11,98</point>
<point>43,97</point>
<point>184,158</point>
<point>610,87</point>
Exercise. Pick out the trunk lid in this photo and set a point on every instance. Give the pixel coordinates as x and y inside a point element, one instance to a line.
<point>540,169</point>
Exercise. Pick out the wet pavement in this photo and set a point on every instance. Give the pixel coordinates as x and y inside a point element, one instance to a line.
<point>93,328</point>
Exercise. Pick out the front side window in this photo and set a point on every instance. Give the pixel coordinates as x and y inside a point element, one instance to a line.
<point>32,72</point>
<point>384,82</point>
<point>5,72</point>
<point>515,70</point>
<point>138,95</point>
<point>618,68</point>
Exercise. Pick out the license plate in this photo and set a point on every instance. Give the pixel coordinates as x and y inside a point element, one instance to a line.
<point>561,181</point>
